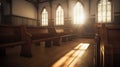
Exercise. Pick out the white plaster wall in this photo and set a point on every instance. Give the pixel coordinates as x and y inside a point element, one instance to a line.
<point>24,9</point>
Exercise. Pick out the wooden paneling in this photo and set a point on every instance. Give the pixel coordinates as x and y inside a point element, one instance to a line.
<point>18,20</point>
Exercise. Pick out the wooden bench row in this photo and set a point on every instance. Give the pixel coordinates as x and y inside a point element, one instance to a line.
<point>26,36</point>
<point>108,42</point>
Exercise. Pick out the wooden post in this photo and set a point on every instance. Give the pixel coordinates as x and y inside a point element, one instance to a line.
<point>57,41</point>
<point>26,48</point>
<point>48,43</point>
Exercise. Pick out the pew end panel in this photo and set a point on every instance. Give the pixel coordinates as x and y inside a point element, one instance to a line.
<point>109,45</point>
<point>12,36</point>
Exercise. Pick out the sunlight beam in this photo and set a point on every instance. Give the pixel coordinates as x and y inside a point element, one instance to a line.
<point>72,57</point>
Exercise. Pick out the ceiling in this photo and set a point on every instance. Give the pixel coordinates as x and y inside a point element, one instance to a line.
<point>38,1</point>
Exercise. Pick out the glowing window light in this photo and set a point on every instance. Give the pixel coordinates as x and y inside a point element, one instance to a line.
<point>59,16</point>
<point>78,14</point>
<point>44,17</point>
<point>104,11</point>
<point>72,57</point>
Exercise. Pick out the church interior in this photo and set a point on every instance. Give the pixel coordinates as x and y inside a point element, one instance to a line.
<point>59,33</point>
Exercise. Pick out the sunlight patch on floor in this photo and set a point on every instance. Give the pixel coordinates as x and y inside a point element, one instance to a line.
<point>70,59</point>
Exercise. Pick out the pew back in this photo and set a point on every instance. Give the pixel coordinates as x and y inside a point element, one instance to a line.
<point>46,34</point>
<point>38,32</point>
<point>10,34</point>
<point>113,34</point>
<point>64,31</point>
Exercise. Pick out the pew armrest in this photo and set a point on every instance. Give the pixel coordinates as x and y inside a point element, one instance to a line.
<point>28,34</point>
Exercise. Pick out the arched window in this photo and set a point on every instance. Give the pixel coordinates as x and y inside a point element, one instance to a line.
<point>104,11</point>
<point>59,16</point>
<point>44,17</point>
<point>78,14</point>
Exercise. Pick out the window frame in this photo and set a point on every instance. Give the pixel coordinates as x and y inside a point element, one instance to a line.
<point>44,17</point>
<point>104,15</point>
<point>59,16</point>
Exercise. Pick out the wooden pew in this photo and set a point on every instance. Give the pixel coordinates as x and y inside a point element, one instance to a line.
<point>109,45</point>
<point>39,34</point>
<point>26,36</point>
<point>65,33</point>
<point>13,36</point>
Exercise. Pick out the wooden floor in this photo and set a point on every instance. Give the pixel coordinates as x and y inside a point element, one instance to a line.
<point>46,57</point>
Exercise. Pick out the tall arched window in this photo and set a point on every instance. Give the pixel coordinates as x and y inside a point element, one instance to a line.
<point>59,16</point>
<point>104,11</point>
<point>44,17</point>
<point>78,14</point>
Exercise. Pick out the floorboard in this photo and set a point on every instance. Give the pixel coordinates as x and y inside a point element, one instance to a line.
<point>46,57</point>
